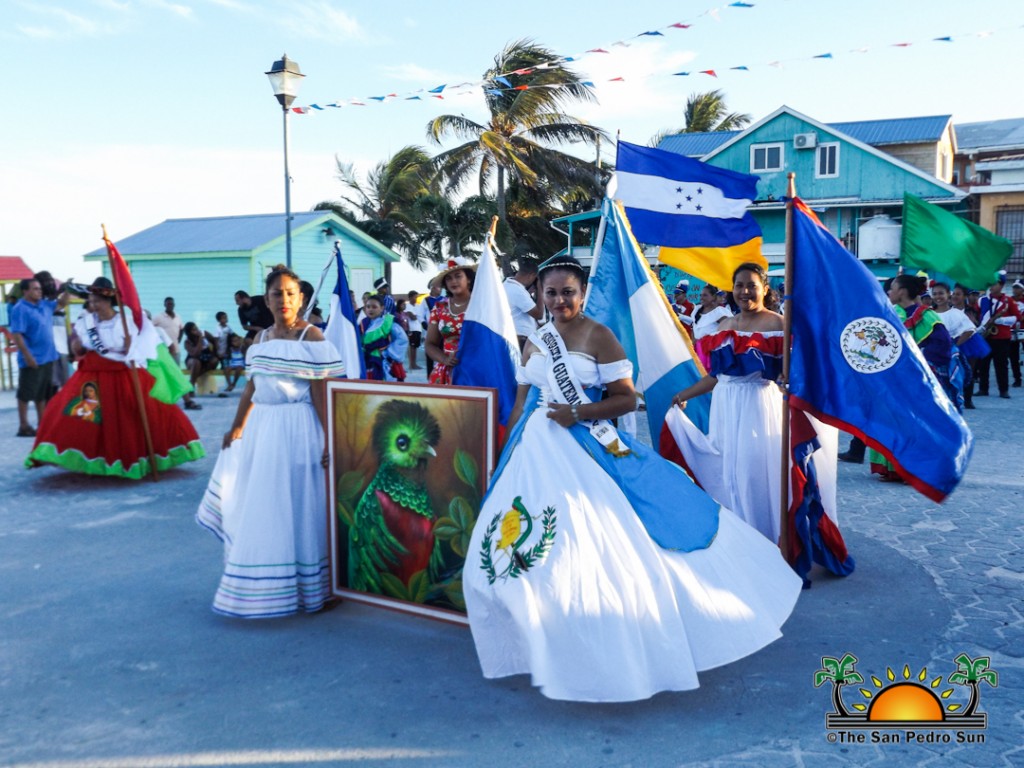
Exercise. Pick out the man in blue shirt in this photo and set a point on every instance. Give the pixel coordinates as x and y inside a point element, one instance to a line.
<point>31,326</point>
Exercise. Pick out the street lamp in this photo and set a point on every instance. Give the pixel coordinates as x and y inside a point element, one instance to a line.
<point>285,78</point>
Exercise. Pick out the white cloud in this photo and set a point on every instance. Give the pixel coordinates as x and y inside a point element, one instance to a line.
<point>177,9</point>
<point>320,20</point>
<point>417,74</point>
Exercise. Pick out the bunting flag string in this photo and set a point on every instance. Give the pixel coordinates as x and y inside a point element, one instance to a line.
<point>499,84</point>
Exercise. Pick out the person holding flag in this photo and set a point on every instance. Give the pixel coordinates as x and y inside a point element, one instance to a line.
<point>595,565</point>
<point>96,424</point>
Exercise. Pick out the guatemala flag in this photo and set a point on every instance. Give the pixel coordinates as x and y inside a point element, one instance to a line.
<point>342,330</point>
<point>625,296</point>
<point>488,347</point>
<point>856,367</point>
<point>696,212</point>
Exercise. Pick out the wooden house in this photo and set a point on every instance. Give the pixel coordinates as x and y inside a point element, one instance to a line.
<point>202,262</point>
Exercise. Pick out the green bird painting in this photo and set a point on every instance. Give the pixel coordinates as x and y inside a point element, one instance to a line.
<point>393,524</point>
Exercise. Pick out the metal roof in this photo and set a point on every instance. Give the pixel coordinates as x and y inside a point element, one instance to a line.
<point>903,130</point>
<point>695,144</point>
<point>991,134</point>
<point>13,268</point>
<point>900,130</point>
<point>218,233</point>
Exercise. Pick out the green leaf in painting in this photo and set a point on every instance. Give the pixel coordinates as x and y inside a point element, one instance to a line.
<point>350,485</point>
<point>393,586</point>
<point>465,467</point>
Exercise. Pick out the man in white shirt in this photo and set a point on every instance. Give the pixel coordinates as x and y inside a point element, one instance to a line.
<point>171,324</point>
<point>527,310</point>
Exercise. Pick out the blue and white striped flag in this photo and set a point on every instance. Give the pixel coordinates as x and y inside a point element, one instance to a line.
<point>342,330</point>
<point>625,295</point>
<point>488,347</point>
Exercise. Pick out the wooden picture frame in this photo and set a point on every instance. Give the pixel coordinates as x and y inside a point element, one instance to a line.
<point>399,524</point>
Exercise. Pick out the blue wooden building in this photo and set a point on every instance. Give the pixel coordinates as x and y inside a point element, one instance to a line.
<point>853,175</point>
<point>202,262</point>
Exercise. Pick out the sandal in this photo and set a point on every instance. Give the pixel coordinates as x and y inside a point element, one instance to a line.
<point>26,432</point>
<point>192,405</point>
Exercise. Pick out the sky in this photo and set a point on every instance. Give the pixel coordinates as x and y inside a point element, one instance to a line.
<point>130,112</point>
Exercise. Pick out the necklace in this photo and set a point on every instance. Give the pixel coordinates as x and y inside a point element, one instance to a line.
<point>459,308</point>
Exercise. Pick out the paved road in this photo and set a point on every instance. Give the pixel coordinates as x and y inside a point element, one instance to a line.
<point>110,655</point>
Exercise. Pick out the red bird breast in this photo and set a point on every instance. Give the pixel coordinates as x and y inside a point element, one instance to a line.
<point>414,532</point>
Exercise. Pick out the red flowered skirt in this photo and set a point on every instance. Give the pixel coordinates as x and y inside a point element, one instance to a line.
<point>93,425</point>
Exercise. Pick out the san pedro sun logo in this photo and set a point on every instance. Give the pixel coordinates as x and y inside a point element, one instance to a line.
<point>510,556</point>
<point>916,707</point>
<point>870,344</point>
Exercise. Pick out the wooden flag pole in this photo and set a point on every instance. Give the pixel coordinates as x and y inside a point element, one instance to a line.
<point>787,332</point>
<point>136,384</point>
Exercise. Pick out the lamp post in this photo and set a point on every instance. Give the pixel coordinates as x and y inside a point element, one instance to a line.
<point>285,78</point>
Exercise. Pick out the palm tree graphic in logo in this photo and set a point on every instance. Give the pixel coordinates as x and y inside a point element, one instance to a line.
<point>905,699</point>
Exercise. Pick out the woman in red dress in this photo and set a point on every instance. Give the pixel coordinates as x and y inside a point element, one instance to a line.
<point>93,424</point>
<point>445,326</point>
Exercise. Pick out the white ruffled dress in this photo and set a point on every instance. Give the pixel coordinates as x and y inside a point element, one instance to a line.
<point>605,614</point>
<point>266,499</point>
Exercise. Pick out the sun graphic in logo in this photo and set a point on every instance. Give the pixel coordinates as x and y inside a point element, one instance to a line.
<point>906,700</point>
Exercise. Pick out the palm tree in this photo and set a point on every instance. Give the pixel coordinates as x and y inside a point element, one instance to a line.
<point>706,112</point>
<point>447,230</point>
<point>839,672</point>
<point>515,141</point>
<point>382,205</point>
<point>971,672</point>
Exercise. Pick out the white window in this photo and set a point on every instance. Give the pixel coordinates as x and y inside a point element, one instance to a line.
<point>828,161</point>
<point>766,157</point>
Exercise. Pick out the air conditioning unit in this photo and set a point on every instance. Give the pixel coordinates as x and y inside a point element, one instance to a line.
<point>805,140</point>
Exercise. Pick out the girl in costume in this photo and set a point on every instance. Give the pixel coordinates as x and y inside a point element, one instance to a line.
<point>445,326</point>
<point>93,424</point>
<point>739,460</point>
<point>969,345</point>
<point>384,342</point>
<point>595,565</point>
<point>266,499</point>
<point>935,343</point>
<point>706,318</point>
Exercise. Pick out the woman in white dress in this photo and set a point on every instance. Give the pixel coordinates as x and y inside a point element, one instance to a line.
<point>266,499</point>
<point>596,566</point>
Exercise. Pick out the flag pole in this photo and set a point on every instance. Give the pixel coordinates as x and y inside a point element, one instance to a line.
<point>787,333</point>
<point>323,276</point>
<point>136,384</point>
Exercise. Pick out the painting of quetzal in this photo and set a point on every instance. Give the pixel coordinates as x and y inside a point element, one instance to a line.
<point>392,530</point>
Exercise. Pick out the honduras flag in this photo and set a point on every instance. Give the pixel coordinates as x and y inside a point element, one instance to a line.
<point>696,212</point>
<point>625,296</point>
<point>488,347</point>
<point>856,367</point>
<point>342,330</point>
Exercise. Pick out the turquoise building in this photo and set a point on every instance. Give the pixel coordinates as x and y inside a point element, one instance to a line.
<point>202,262</point>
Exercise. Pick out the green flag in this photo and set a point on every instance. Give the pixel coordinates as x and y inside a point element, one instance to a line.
<point>936,240</point>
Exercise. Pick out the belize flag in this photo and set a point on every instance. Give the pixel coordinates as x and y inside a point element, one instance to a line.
<point>488,347</point>
<point>856,367</point>
<point>342,330</point>
<point>625,296</point>
<point>696,212</point>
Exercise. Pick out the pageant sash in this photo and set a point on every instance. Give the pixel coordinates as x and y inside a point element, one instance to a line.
<point>566,388</point>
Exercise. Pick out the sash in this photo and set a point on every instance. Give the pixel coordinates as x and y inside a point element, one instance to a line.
<point>566,388</point>
<point>92,332</point>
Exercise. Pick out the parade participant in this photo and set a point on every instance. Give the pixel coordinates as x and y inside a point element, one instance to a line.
<point>527,309</point>
<point>315,317</point>
<point>998,317</point>
<point>682,306</point>
<point>935,343</point>
<point>384,342</point>
<point>959,299</point>
<point>266,497</point>
<point>1018,298</point>
<point>595,565</point>
<point>738,461</point>
<point>61,335</point>
<point>969,345</point>
<point>111,441</point>
<point>706,319</point>
<point>428,303</point>
<point>31,327</point>
<point>445,326</point>
<point>380,285</point>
